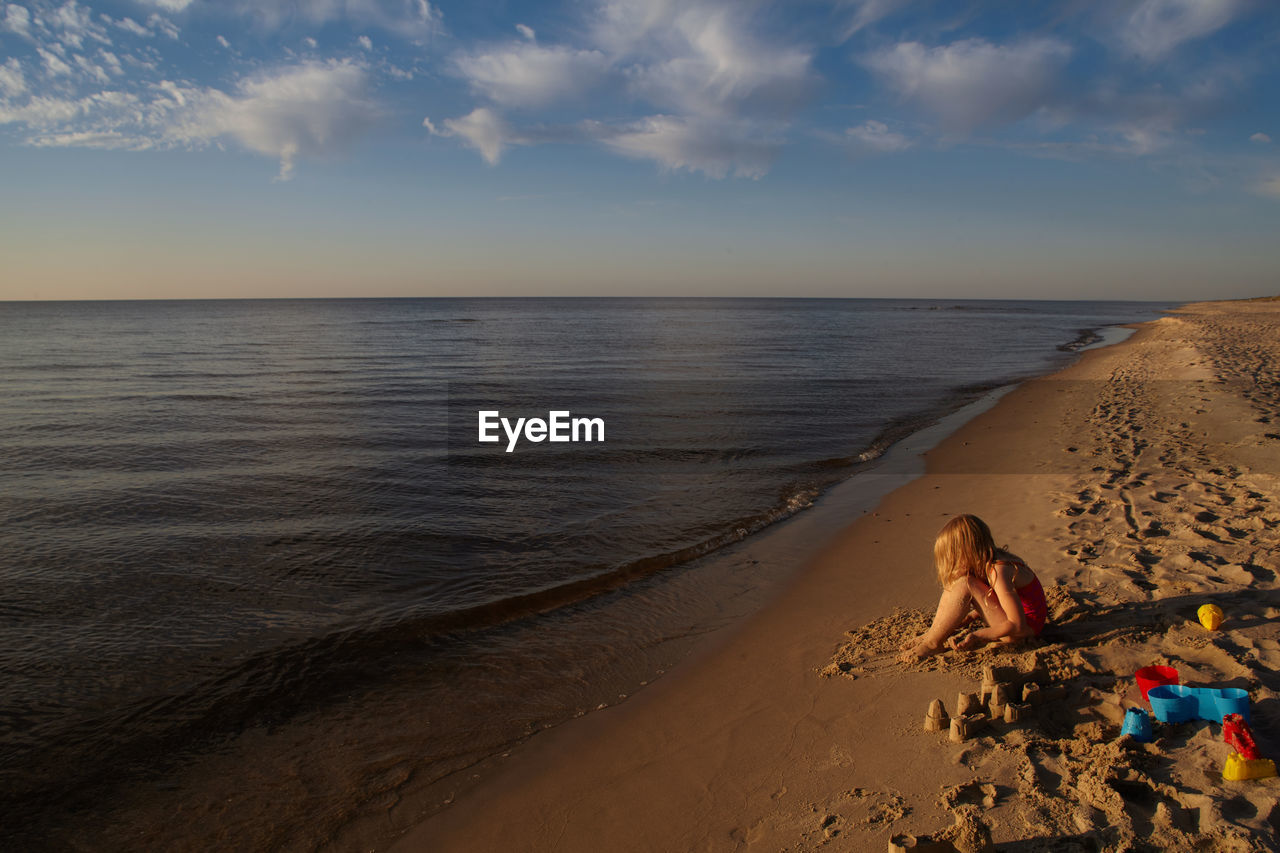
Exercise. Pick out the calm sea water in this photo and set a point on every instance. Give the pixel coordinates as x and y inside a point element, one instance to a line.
<point>234,531</point>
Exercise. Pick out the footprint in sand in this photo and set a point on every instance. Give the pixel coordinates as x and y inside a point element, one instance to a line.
<point>971,793</point>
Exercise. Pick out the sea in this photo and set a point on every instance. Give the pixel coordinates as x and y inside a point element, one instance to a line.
<point>263,587</point>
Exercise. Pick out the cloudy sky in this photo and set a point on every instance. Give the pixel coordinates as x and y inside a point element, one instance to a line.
<point>1074,149</point>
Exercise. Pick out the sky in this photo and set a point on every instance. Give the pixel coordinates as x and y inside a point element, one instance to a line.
<point>1079,149</point>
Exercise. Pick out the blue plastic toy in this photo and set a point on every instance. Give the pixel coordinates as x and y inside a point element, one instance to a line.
<point>1137,725</point>
<point>1177,703</point>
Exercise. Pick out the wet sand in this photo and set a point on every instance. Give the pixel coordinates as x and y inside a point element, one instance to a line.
<point>1140,483</point>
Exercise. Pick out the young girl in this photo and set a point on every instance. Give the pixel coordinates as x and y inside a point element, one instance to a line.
<point>975,574</point>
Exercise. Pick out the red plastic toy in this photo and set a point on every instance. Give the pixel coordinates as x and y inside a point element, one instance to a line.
<point>1244,763</point>
<point>1236,732</point>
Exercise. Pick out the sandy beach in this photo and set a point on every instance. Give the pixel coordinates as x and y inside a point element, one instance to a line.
<point>1139,484</point>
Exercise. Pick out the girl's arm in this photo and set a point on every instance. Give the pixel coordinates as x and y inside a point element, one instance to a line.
<point>1015,619</point>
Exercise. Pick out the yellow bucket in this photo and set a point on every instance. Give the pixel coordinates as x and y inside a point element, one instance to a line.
<point>1210,616</point>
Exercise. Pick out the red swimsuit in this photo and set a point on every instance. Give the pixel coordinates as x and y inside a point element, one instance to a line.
<point>1034,605</point>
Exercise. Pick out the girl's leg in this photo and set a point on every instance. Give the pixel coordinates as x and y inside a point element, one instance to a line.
<point>953,611</point>
<point>984,598</point>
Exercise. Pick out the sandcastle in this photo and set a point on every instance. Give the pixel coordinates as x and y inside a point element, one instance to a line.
<point>936,719</point>
<point>994,700</point>
<point>963,728</point>
<point>1016,712</point>
<point>967,703</point>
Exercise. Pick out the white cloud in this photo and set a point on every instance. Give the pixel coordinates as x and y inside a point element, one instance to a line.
<point>620,25</point>
<point>17,20</point>
<point>54,66</point>
<point>223,43</point>
<point>43,112</point>
<point>76,24</point>
<point>107,139</point>
<point>1157,27</point>
<point>868,12</point>
<point>1143,139</point>
<point>414,19</point>
<point>112,62</point>
<point>481,129</point>
<point>163,26</point>
<point>137,61</point>
<point>364,43</point>
<point>310,43</point>
<point>719,80</point>
<point>12,81</point>
<point>314,109</point>
<point>92,119</point>
<point>309,109</point>
<point>132,26</point>
<point>876,136</point>
<point>526,74</point>
<point>169,5</point>
<point>715,148</point>
<point>1260,138</point>
<point>91,69</point>
<point>704,58</point>
<point>174,91</point>
<point>972,83</point>
<point>1150,119</point>
<point>80,67</point>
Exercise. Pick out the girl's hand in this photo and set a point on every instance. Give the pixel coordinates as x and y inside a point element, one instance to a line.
<point>919,651</point>
<point>964,644</point>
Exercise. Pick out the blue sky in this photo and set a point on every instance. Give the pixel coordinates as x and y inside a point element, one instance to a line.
<point>1078,149</point>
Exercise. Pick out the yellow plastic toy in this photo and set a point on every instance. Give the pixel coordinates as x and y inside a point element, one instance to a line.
<point>1210,616</point>
<point>1238,768</point>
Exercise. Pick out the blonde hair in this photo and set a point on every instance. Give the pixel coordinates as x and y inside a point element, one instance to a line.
<point>964,547</point>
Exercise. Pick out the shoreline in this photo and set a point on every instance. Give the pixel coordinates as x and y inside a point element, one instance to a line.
<point>751,572</point>
<point>743,743</point>
<point>769,556</point>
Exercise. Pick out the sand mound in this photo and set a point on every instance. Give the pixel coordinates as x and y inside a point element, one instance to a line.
<point>875,645</point>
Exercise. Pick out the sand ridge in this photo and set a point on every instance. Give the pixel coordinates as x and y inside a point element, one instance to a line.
<point>1139,484</point>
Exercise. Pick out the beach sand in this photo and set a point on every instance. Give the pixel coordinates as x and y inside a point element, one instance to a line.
<point>1140,483</point>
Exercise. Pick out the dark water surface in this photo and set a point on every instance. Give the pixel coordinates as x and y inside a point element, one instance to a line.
<point>258,580</point>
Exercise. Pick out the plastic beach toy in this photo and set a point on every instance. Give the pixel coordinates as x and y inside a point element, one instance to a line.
<point>1151,676</point>
<point>1238,768</point>
<point>1137,725</point>
<point>1210,616</point>
<point>1238,735</point>
<point>1175,703</point>
<point>1244,762</point>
